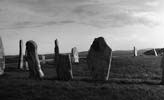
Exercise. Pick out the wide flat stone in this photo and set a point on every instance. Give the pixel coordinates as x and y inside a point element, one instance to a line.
<point>64,67</point>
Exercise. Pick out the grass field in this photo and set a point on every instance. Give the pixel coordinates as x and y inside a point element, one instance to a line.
<point>131,78</point>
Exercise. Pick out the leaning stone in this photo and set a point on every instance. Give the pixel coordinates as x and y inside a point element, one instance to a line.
<point>64,68</point>
<point>99,59</point>
<point>74,55</point>
<point>155,52</point>
<point>35,70</point>
<point>2,58</point>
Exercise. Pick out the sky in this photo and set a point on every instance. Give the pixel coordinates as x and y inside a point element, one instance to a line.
<point>75,23</point>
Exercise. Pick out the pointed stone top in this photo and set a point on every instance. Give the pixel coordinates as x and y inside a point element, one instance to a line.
<point>99,44</point>
<point>56,42</point>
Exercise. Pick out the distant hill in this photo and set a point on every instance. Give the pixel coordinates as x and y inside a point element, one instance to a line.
<point>83,54</point>
<point>159,51</point>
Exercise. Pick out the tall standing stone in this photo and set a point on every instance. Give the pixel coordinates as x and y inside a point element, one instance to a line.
<point>35,70</point>
<point>99,59</point>
<point>135,51</point>
<point>64,67</point>
<point>155,52</point>
<point>56,52</point>
<point>2,58</point>
<point>56,47</point>
<point>74,55</point>
<point>20,62</point>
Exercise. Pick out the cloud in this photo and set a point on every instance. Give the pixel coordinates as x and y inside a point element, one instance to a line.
<point>97,13</point>
<point>153,4</point>
<point>107,15</point>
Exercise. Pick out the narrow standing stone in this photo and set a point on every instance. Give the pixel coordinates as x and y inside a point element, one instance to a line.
<point>99,59</point>
<point>20,63</point>
<point>135,51</point>
<point>2,58</point>
<point>155,52</point>
<point>74,55</point>
<point>33,60</point>
<point>63,65</point>
<point>56,47</point>
<point>56,52</point>
<point>25,61</point>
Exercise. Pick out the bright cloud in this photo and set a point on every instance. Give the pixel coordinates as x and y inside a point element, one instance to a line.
<point>121,21</point>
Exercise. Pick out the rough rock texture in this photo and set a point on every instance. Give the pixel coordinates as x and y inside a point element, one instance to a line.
<point>64,67</point>
<point>2,58</point>
<point>20,62</point>
<point>33,60</point>
<point>74,55</point>
<point>99,59</point>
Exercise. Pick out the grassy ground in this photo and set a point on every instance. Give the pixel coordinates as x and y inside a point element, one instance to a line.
<point>131,78</point>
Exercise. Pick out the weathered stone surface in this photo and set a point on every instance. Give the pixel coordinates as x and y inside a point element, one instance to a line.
<point>99,59</point>
<point>135,51</point>
<point>64,67</point>
<point>2,58</point>
<point>20,62</point>
<point>35,70</point>
<point>74,55</point>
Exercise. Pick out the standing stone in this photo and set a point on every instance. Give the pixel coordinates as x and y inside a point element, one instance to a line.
<point>20,63</point>
<point>35,70</point>
<point>56,51</point>
<point>99,59</point>
<point>2,58</point>
<point>135,51</point>
<point>74,55</point>
<point>25,61</point>
<point>155,52</point>
<point>43,59</point>
<point>56,47</point>
<point>64,68</point>
<point>63,65</point>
